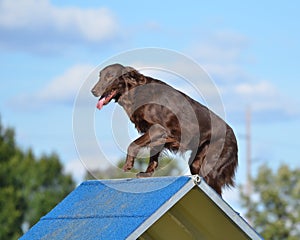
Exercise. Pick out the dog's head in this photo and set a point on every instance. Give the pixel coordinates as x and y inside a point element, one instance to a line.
<point>114,81</point>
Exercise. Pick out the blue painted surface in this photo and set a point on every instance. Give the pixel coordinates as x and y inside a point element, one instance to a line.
<point>106,209</point>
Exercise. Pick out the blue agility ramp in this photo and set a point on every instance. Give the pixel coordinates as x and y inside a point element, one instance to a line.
<point>151,208</point>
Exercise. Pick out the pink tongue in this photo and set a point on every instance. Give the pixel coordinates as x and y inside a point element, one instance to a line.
<point>100,103</point>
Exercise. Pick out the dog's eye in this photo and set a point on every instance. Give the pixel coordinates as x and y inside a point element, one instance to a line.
<point>109,76</point>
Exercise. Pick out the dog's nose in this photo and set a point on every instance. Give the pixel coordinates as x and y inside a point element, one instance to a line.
<point>94,92</point>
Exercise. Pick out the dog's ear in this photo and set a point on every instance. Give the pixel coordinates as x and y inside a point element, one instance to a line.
<point>132,76</point>
<point>130,72</point>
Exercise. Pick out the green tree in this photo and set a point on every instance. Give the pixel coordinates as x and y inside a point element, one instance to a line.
<point>168,166</point>
<point>29,186</point>
<point>273,208</point>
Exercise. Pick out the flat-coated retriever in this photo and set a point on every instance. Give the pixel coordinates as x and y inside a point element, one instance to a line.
<point>168,118</point>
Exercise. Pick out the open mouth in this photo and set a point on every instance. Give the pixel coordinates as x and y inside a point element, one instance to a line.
<point>105,99</point>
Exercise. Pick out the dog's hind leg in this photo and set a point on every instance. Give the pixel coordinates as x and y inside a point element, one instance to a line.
<point>196,159</point>
<point>205,163</point>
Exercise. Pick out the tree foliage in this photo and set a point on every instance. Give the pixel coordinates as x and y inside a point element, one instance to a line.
<point>29,186</point>
<point>273,208</point>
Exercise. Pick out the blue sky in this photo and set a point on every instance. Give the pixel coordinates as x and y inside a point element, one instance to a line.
<point>251,51</point>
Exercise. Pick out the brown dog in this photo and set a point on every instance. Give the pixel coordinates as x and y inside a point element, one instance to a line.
<point>169,119</point>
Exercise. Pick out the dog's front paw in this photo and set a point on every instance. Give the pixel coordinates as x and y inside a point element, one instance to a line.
<point>128,164</point>
<point>144,174</point>
<point>127,167</point>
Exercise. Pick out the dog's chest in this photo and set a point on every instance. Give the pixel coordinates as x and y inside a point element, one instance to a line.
<point>140,123</point>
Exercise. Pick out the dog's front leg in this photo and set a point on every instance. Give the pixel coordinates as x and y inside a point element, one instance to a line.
<point>133,150</point>
<point>153,138</point>
<point>153,163</point>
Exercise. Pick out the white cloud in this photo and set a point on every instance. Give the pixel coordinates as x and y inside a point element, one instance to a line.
<point>66,86</point>
<point>264,98</point>
<point>221,54</point>
<point>224,55</point>
<point>262,88</point>
<point>211,52</point>
<point>38,23</point>
<point>61,89</point>
<point>225,71</point>
<point>229,96</point>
